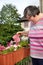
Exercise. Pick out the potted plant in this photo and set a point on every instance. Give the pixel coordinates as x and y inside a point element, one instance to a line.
<point>14,53</point>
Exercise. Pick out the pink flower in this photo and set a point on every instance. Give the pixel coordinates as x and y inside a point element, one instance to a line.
<point>2,48</point>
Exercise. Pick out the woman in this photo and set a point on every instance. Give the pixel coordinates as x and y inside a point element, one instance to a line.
<point>35,34</point>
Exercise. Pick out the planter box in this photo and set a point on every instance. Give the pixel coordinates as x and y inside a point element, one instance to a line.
<point>14,57</point>
<point>20,54</point>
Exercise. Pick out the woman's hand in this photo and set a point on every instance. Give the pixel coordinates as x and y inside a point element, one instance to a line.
<point>20,32</point>
<point>25,33</point>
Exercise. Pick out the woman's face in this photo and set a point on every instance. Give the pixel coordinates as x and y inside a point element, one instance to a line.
<point>31,18</point>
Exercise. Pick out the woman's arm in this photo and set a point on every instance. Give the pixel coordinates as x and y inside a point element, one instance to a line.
<point>25,33</point>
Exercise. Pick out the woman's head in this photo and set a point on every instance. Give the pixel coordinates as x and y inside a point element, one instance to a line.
<point>31,11</point>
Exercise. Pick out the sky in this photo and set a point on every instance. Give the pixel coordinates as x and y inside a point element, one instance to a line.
<point>20,4</point>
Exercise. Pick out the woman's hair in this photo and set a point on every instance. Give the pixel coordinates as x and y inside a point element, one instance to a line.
<point>31,11</point>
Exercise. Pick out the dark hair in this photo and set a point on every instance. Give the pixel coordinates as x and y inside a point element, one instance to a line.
<point>31,11</point>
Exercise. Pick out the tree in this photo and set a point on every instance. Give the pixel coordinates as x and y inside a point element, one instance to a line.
<point>8,24</point>
<point>9,14</point>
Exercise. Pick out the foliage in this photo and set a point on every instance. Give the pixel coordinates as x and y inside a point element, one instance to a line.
<point>5,51</point>
<point>9,14</point>
<point>25,61</point>
<point>10,49</point>
<point>24,43</point>
<point>7,31</point>
<point>8,23</point>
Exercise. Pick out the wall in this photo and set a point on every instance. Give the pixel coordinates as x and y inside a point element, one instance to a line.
<point>41,5</point>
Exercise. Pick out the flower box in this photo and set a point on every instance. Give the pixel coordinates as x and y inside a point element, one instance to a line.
<point>14,57</point>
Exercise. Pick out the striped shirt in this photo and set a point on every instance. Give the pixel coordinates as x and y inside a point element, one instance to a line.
<point>36,40</point>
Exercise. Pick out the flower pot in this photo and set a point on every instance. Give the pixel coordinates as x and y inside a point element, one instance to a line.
<point>6,59</point>
<point>14,57</point>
